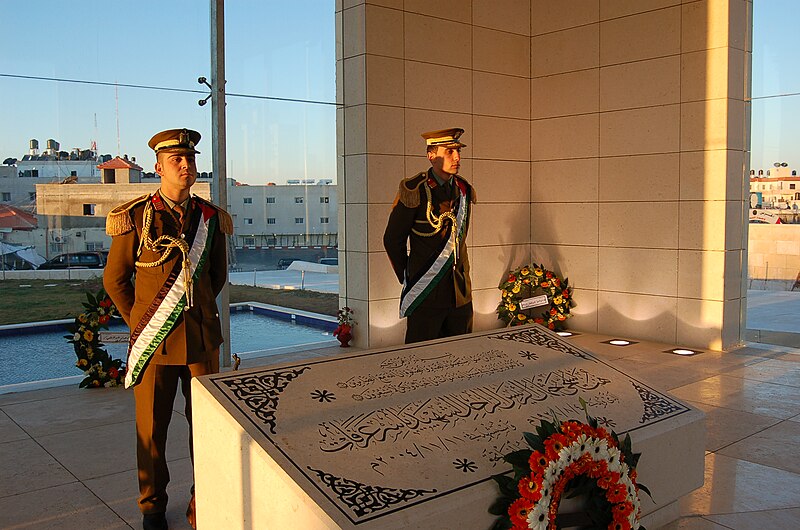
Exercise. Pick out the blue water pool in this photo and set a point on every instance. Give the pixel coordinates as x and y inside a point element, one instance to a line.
<point>33,356</point>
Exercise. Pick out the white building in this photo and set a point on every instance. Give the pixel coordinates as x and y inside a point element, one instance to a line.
<point>280,216</point>
<point>779,187</point>
<point>18,178</point>
<point>69,193</point>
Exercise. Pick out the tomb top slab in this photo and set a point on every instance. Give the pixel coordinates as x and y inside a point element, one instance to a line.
<point>373,434</point>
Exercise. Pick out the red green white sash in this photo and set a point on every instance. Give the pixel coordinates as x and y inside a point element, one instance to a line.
<point>169,303</point>
<point>415,290</point>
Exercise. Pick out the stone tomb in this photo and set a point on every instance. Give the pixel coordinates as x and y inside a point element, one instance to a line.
<point>409,436</point>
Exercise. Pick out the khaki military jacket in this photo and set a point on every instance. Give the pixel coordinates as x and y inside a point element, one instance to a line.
<point>196,335</point>
<point>411,253</point>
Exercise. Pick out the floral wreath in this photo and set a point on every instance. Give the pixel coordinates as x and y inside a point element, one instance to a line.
<point>576,458</point>
<point>521,287</point>
<point>100,369</point>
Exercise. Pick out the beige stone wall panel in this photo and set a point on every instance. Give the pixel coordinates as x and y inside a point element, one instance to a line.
<point>511,16</point>
<point>565,94</point>
<point>642,36</point>
<point>565,51</point>
<point>575,180</point>
<point>567,137</point>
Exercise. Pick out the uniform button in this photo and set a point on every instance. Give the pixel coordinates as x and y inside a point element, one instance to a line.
<point>183,236</point>
<point>216,315</point>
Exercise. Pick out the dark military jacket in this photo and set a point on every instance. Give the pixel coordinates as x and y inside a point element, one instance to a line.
<point>409,213</point>
<point>196,335</point>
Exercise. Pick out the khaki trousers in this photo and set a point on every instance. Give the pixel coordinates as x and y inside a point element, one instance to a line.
<point>155,395</point>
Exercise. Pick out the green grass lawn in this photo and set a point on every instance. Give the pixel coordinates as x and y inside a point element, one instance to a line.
<point>64,299</point>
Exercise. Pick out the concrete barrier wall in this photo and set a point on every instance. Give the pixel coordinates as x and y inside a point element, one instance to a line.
<point>773,256</point>
<point>67,274</point>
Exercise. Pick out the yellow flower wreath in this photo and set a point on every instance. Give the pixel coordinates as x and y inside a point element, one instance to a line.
<point>522,285</point>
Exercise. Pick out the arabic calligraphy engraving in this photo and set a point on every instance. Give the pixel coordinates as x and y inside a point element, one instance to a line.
<point>364,499</point>
<point>537,335</point>
<point>655,405</point>
<point>453,413</point>
<point>261,392</point>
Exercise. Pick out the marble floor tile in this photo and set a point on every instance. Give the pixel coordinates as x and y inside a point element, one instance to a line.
<point>777,371</point>
<point>120,492</point>
<point>598,346</point>
<point>768,519</point>
<point>664,377</point>
<point>693,523</point>
<point>780,401</point>
<point>709,390</point>
<point>85,409</point>
<point>735,486</point>
<point>25,466</point>
<point>10,431</point>
<point>776,446</point>
<point>65,507</point>
<point>41,394</point>
<point>745,395</point>
<point>107,449</point>
<point>726,426</point>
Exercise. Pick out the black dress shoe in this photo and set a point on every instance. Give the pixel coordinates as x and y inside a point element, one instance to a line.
<point>155,521</point>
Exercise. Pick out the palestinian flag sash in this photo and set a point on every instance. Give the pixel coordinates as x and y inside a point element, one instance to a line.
<point>169,302</point>
<point>416,289</point>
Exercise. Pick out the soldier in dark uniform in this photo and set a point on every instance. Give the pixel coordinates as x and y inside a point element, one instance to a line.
<point>174,245</point>
<point>432,212</point>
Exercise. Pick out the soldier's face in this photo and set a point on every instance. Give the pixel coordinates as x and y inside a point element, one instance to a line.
<point>445,160</point>
<point>178,170</point>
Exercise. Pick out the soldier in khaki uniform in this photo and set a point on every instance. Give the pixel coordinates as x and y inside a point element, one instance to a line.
<point>432,213</point>
<point>174,246</point>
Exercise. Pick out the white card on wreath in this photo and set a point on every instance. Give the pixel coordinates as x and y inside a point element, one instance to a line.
<point>535,301</point>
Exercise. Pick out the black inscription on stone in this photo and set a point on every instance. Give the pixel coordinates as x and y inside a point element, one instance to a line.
<point>364,499</point>
<point>531,356</point>
<point>400,375</point>
<point>573,410</point>
<point>450,413</point>
<point>323,396</point>
<point>606,422</point>
<point>261,392</point>
<point>538,336</point>
<point>465,465</point>
<point>655,405</point>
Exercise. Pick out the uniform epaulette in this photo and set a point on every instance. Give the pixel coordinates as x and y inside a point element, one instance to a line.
<point>119,220</point>
<point>409,190</point>
<point>225,221</point>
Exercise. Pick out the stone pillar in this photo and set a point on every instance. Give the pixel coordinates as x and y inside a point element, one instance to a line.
<point>607,140</point>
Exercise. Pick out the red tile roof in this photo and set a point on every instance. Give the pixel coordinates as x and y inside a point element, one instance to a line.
<point>119,163</point>
<point>16,219</point>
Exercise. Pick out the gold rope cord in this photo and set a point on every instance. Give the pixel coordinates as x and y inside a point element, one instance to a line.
<point>437,222</point>
<point>164,245</point>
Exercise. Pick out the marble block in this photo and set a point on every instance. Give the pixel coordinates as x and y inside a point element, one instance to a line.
<point>409,436</point>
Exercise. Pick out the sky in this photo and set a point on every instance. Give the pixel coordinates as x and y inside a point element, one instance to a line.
<point>775,129</point>
<point>275,48</point>
<point>281,49</point>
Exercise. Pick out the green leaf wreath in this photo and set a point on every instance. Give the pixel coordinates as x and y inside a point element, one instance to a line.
<point>522,285</point>
<point>101,370</point>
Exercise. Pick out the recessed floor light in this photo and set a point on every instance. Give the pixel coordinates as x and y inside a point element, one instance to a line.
<point>683,351</point>
<point>565,333</point>
<point>620,342</point>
